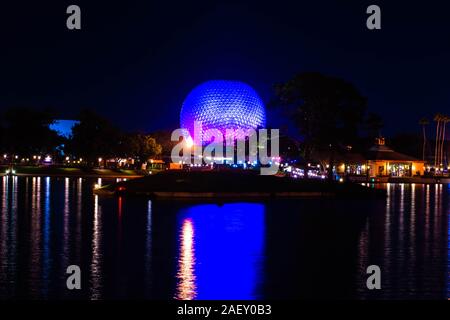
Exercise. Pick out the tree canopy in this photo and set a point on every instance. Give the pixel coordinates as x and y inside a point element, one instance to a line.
<point>26,131</point>
<point>328,111</point>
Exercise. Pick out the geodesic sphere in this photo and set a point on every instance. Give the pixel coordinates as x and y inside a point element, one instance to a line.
<point>223,104</point>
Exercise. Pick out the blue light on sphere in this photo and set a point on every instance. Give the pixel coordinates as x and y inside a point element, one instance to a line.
<point>223,104</point>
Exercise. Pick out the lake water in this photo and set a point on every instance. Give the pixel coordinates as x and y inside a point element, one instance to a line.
<point>140,248</point>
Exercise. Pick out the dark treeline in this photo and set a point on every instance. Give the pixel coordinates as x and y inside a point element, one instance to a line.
<point>25,133</point>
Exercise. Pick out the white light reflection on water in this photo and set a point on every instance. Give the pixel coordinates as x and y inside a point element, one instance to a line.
<point>35,238</point>
<point>8,234</point>
<point>448,255</point>
<point>78,229</point>
<point>148,248</point>
<point>187,287</point>
<point>412,261</point>
<point>96,264</point>
<point>3,235</point>
<point>66,231</point>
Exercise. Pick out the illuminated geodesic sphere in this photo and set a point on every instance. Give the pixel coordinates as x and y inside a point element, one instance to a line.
<point>223,104</point>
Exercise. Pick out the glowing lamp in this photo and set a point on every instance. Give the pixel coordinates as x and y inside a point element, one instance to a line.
<point>189,142</point>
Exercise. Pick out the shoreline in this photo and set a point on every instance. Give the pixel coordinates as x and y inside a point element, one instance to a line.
<point>57,175</point>
<point>407,180</point>
<point>112,175</point>
<point>67,172</point>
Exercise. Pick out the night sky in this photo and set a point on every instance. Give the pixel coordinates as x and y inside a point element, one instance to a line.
<point>135,61</point>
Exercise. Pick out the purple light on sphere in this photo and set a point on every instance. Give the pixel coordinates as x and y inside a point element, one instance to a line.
<point>223,104</point>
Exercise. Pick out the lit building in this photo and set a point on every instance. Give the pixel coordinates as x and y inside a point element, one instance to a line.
<point>384,161</point>
<point>379,161</point>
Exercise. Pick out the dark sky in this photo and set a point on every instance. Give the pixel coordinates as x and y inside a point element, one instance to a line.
<point>135,61</point>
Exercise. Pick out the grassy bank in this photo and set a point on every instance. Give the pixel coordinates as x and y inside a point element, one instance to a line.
<point>72,172</point>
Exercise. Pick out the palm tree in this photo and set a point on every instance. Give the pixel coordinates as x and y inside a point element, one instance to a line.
<point>445,119</point>
<point>424,122</point>
<point>437,118</point>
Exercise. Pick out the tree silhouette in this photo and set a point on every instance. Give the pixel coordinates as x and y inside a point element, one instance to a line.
<point>26,132</point>
<point>142,146</point>
<point>441,123</point>
<point>424,122</point>
<point>445,119</point>
<point>373,125</point>
<point>328,112</point>
<point>94,137</point>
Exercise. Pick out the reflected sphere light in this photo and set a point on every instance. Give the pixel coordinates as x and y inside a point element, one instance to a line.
<point>223,104</point>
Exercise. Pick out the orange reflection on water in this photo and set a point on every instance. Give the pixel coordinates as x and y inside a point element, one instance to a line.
<point>186,287</point>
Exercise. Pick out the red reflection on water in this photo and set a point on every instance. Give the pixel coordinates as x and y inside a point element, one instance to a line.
<point>119,206</point>
<point>186,287</point>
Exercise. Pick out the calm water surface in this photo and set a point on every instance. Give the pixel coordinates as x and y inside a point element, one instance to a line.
<point>142,248</point>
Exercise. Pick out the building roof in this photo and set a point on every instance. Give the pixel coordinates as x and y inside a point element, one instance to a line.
<point>382,152</point>
<point>378,152</point>
<point>350,157</point>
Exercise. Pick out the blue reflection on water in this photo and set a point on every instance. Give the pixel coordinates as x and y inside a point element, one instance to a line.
<point>220,251</point>
<point>46,236</point>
